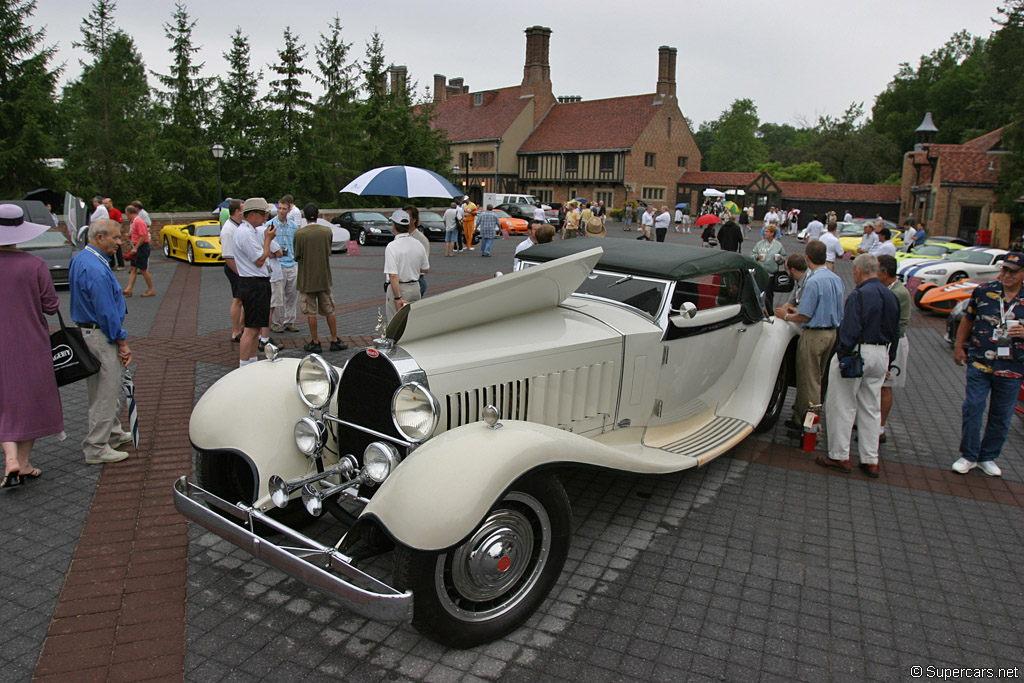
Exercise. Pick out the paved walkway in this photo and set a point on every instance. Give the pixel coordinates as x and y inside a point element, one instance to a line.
<point>760,566</point>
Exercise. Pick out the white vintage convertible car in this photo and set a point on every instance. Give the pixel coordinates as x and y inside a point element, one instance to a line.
<point>441,442</point>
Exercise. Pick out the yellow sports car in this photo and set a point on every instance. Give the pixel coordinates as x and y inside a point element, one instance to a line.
<point>850,235</point>
<point>197,242</point>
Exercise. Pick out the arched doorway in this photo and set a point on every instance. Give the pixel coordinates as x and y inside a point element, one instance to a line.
<point>476,195</point>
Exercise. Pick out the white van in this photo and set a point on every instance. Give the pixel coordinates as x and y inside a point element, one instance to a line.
<point>495,198</point>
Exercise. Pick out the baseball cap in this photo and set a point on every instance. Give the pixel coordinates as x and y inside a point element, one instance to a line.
<point>255,204</point>
<point>1015,260</point>
<point>400,217</point>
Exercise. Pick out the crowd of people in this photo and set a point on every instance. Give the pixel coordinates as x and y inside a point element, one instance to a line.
<point>279,266</point>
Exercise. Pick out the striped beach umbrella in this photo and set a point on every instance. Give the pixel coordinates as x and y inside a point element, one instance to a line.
<point>128,388</point>
<point>402,181</point>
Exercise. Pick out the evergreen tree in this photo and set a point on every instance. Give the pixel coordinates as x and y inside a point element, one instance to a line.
<point>378,148</point>
<point>240,120</point>
<point>851,152</point>
<point>184,110</point>
<point>736,146</point>
<point>288,116</point>
<point>332,157</point>
<point>1006,63</point>
<point>108,114</point>
<point>28,110</point>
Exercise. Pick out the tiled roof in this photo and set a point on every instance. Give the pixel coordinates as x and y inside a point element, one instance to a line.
<point>985,142</point>
<point>715,178</point>
<point>969,166</point>
<point>463,121</point>
<point>614,123</point>
<point>840,192</point>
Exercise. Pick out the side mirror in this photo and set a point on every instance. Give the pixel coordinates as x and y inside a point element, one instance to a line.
<point>688,310</point>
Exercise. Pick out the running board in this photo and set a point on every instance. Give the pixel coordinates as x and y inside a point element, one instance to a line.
<point>708,441</point>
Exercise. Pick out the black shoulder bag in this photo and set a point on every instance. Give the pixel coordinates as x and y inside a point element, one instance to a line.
<point>72,360</point>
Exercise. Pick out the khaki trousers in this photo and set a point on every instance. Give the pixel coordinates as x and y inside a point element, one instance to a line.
<point>858,399</point>
<point>410,292</point>
<point>104,395</point>
<point>812,351</point>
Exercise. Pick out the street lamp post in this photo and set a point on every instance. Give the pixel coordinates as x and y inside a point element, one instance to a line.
<point>469,167</point>
<point>218,151</point>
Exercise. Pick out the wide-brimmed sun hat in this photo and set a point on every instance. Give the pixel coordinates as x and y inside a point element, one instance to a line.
<point>14,229</point>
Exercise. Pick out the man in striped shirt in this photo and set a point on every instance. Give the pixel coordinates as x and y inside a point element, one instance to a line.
<point>487,223</point>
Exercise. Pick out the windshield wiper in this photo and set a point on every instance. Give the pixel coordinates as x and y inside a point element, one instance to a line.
<point>624,278</point>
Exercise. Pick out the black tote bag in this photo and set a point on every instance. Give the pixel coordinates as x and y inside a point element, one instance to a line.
<point>72,360</point>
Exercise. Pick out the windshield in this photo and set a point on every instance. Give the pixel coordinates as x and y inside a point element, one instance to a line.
<point>208,230</point>
<point>47,240</point>
<point>930,250</point>
<point>640,293</point>
<point>979,257</point>
<point>430,216</point>
<point>369,216</point>
<point>502,214</point>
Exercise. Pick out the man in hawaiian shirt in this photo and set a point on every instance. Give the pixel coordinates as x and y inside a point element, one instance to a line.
<point>993,335</point>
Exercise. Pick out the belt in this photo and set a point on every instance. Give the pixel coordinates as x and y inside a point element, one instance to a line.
<point>407,282</point>
<point>88,326</point>
<point>875,343</point>
<point>249,277</point>
<point>820,328</point>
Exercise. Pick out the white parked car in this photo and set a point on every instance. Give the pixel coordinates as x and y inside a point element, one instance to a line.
<point>441,442</point>
<point>980,263</point>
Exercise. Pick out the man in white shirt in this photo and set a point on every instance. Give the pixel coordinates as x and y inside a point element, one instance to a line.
<point>647,221</point>
<point>404,261</point>
<point>539,232</point>
<point>883,245</point>
<point>451,226</point>
<point>869,239</point>
<point>661,224</point>
<point>294,215</point>
<point>227,252</point>
<point>539,215</point>
<point>833,247</point>
<point>251,250</point>
<point>100,213</point>
<point>814,230</point>
<point>848,216</point>
<point>460,216</point>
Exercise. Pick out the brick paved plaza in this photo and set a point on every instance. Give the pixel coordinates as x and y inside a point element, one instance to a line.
<point>760,566</point>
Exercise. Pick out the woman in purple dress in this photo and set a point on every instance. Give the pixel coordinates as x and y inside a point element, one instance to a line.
<point>29,400</point>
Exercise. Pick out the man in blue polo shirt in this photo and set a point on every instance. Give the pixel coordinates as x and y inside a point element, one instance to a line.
<point>819,314</point>
<point>284,315</point>
<point>98,307</point>
<point>994,338</point>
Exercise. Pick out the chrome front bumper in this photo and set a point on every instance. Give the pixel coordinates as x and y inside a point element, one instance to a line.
<point>318,566</point>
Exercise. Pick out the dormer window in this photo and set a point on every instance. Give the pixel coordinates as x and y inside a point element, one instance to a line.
<point>478,99</point>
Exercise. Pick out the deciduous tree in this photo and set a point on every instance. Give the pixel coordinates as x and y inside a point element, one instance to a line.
<point>736,146</point>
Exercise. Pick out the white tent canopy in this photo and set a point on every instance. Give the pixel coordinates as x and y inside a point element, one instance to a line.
<point>712,192</point>
<point>739,193</point>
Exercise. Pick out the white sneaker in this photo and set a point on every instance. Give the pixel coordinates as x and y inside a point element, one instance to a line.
<point>990,468</point>
<point>109,455</point>
<point>125,437</point>
<point>963,466</point>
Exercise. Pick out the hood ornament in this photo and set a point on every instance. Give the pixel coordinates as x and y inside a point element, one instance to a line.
<point>381,341</point>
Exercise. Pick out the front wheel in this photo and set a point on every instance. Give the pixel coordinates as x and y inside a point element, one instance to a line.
<point>918,295</point>
<point>167,247</point>
<point>190,255</point>
<point>361,238</point>
<point>491,583</point>
<point>957,276</point>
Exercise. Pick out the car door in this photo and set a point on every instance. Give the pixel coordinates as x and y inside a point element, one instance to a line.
<point>705,356</point>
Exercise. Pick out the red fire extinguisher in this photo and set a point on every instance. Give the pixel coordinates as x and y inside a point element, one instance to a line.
<point>812,426</point>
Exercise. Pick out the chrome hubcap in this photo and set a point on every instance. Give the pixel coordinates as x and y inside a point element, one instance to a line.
<point>499,564</point>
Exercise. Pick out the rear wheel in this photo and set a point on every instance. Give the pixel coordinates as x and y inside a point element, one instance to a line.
<point>492,582</point>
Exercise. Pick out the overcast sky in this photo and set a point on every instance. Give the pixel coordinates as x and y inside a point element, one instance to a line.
<point>797,59</point>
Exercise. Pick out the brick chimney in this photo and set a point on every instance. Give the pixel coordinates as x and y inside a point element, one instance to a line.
<point>537,71</point>
<point>666,71</point>
<point>440,89</point>
<point>398,78</point>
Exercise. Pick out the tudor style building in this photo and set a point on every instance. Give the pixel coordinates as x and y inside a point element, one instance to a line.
<point>521,139</point>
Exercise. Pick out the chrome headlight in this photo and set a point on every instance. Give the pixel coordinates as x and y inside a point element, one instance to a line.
<point>310,435</point>
<point>379,460</point>
<point>316,380</point>
<point>415,411</point>
<point>202,244</point>
<point>936,271</point>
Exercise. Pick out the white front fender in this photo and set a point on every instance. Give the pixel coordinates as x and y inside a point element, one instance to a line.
<point>441,492</point>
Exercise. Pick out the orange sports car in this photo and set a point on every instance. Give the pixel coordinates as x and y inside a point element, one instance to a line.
<point>943,299</point>
<point>515,226</point>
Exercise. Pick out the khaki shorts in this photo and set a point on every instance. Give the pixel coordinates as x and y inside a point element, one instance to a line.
<point>311,302</point>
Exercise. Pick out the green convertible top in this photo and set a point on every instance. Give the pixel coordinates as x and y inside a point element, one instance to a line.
<point>649,259</point>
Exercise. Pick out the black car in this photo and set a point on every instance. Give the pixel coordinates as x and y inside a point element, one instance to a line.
<point>525,212</point>
<point>366,226</point>
<point>56,249</point>
<point>432,225</point>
